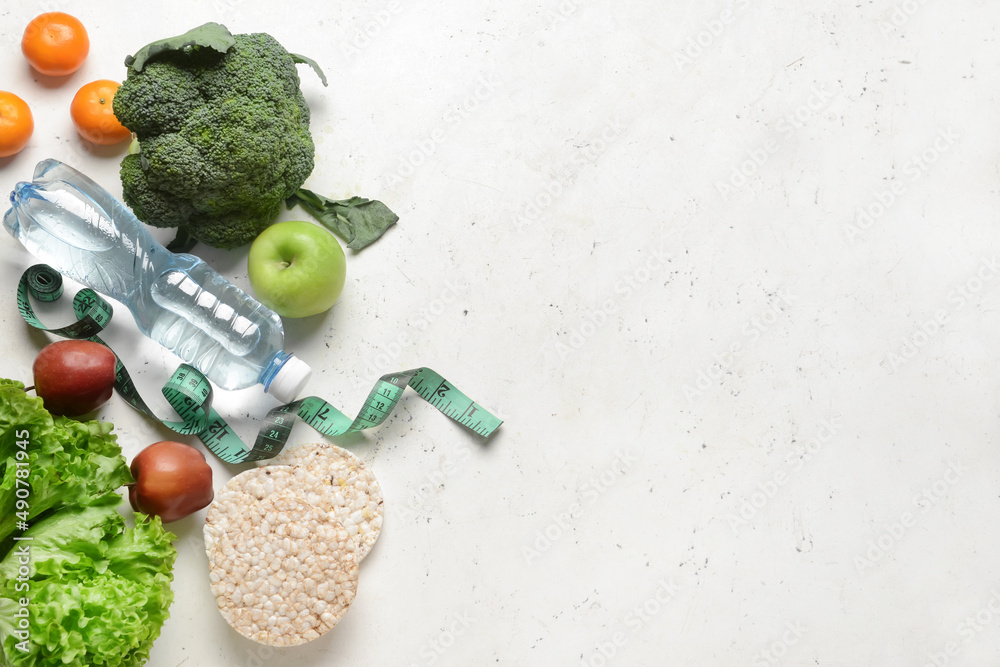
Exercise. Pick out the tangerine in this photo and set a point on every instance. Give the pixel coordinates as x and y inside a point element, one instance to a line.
<point>16,124</point>
<point>55,43</point>
<point>94,116</point>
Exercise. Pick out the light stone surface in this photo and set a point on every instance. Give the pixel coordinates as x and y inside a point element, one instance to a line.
<point>727,270</point>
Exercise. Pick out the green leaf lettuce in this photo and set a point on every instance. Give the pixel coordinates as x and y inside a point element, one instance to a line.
<point>99,592</point>
<point>79,588</point>
<point>68,462</point>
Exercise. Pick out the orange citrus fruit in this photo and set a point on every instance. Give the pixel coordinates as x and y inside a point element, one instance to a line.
<point>16,124</point>
<point>93,115</point>
<point>55,43</point>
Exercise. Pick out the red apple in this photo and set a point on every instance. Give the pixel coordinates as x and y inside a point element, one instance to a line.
<point>172,480</point>
<point>74,377</point>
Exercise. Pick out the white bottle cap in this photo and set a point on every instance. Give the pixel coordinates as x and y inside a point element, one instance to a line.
<point>290,379</point>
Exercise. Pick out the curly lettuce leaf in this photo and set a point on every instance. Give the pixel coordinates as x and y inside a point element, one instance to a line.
<point>99,591</point>
<point>96,592</point>
<point>67,462</point>
<point>72,539</point>
<point>144,553</point>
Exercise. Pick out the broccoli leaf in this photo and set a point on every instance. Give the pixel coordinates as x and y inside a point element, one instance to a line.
<point>357,220</point>
<point>302,60</point>
<point>210,35</point>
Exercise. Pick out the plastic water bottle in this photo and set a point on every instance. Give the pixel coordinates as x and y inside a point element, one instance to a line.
<point>77,227</point>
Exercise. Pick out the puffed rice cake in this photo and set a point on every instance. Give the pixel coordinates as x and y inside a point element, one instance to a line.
<point>358,493</point>
<point>283,571</point>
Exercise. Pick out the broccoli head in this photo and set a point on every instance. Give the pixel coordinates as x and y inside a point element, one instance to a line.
<point>223,136</point>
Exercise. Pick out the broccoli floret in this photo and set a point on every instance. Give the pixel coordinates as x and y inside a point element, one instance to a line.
<point>150,203</point>
<point>223,138</point>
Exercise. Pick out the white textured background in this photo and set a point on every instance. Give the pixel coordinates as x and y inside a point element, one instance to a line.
<point>729,272</point>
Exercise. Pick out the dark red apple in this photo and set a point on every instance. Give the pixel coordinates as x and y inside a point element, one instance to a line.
<point>172,480</point>
<point>74,377</point>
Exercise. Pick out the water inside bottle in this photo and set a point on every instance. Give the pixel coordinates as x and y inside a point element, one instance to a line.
<point>70,222</point>
<point>177,292</point>
<point>51,205</point>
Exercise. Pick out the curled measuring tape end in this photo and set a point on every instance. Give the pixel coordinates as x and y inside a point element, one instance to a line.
<point>43,282</point>
<point>189,392</point>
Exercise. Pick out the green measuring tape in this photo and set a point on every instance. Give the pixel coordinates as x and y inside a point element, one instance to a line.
<point>189,392</point>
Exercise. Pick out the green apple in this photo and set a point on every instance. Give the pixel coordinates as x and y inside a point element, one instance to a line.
<point>297,268</point>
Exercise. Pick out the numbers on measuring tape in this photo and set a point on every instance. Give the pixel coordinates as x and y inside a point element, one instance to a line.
<point>189,392</point>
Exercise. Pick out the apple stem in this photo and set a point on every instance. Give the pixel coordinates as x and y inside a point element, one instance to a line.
<point>31,388</point>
